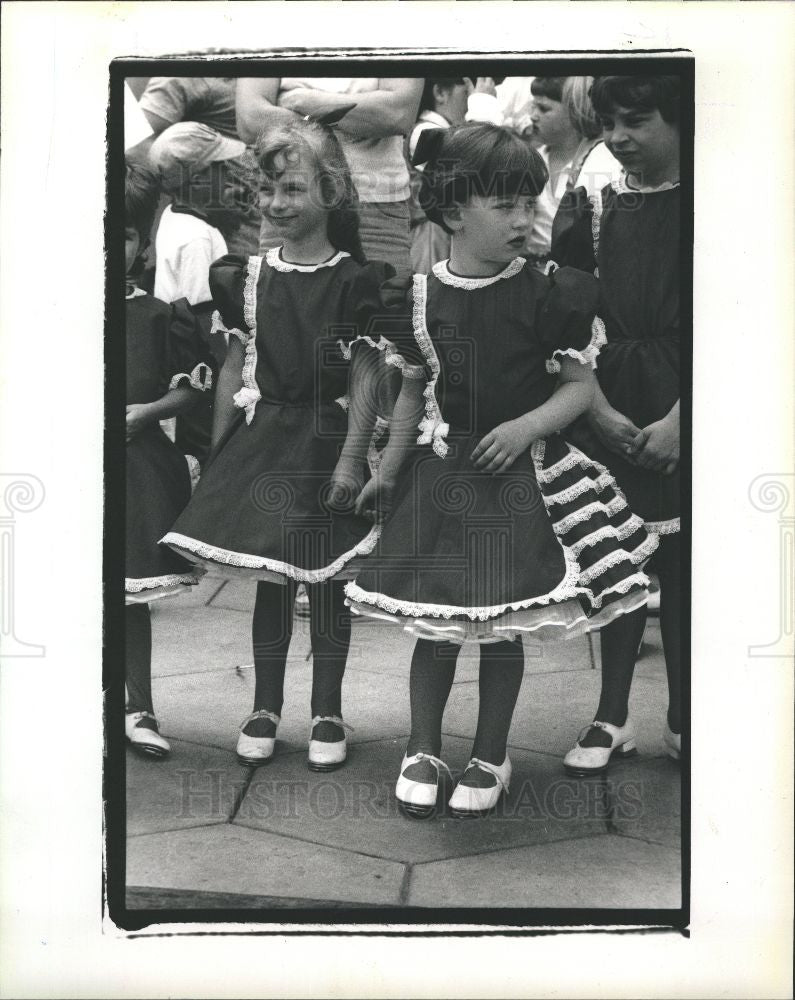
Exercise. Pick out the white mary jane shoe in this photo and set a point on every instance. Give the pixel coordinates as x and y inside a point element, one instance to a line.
<point>469,800</point>
<point>418,798</point>
<point>324,756</point>
<point>672,742</point>
<point>255,750</point>
<point>582,761</point>
<point>143,739</point>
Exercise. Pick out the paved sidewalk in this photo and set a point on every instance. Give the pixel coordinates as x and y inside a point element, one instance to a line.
<point>205,832</point>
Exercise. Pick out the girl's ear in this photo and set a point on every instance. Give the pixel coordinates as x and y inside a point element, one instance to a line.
<point>452,218</point>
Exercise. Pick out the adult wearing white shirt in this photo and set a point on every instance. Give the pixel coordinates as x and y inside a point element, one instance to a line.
<point>371,135</point>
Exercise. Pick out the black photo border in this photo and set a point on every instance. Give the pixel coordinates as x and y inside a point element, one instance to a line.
<point>296,919</point>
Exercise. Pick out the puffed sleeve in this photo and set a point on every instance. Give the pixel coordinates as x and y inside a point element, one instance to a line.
<point>381,314</point>
<point>567,321</point>
<point>227,287</point>
<point>572,232</point>
<point>188,359</point>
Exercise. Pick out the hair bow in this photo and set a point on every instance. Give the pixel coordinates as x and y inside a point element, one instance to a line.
<point>429,145</point>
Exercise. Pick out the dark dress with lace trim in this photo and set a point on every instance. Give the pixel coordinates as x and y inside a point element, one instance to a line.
<point>260,510</point>
<point>632,237</point>
<point>549,547</point>
<point>164,350</point>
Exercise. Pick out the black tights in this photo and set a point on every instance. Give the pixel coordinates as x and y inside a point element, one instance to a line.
<point>621,638</point>
<point>138,663</point>
<point>432,673</point>
<point>272,629</point>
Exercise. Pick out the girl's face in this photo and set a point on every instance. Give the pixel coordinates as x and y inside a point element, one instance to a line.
<point>132,244</point>
<point>292,199</point>
<point>550,120</point>
<point>493,229</point>
<point>644,143</point>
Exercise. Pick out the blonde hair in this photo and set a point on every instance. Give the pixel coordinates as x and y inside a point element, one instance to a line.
<point>577,101</point>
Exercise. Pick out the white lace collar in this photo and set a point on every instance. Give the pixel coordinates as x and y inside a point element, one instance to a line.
<point>273,258</point>
<point>620,186</point>
<point>446,276</point>
<point>135,293</point>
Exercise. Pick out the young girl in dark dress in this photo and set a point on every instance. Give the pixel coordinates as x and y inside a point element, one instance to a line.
<point>263,508</point>
<point>628,234</point>
<point>167,369</point>
<point>498,528</point>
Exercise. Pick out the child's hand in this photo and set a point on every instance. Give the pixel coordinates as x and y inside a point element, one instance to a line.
<point>659,451</point>
<point>500,448</point>
<point>617,432</point>
<point>345,486</point>
<point>138,417</point>
<point>375,500</point>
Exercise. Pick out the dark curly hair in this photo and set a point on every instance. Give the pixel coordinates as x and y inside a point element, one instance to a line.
<point>475,159</point>
<point>340,196</point>
<point>644,93</point>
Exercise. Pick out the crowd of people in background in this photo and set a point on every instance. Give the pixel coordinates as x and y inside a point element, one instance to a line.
<point>579,209</point>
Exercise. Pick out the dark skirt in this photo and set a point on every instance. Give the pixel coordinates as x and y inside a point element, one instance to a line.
<point>158,487</point>
<point>260,508</point>
<point>550,547</point>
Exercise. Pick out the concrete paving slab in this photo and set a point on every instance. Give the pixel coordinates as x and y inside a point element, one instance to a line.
<point>645,802</point>
<point>236,595</point>
<point>234,859</point>
<point>196,597</point>
<point>552,708</point>
<point>194,786</point>
<point>607,871</point>
<point>355,808</point>
<point>382,648</point>
<point>207,708</point>
<point>195,640</point>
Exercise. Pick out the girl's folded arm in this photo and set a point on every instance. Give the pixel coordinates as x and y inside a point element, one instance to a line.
<point>174,402</point>
<point>500,448</point>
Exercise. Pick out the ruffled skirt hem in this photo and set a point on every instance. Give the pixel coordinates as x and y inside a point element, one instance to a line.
<point>242,565</point>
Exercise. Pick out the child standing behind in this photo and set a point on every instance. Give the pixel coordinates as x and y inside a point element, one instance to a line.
<point>193,162</point>
<point>167,369</point>
<point>630,232</point>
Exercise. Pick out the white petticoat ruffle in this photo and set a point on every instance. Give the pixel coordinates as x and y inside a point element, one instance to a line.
<point>144,590</point>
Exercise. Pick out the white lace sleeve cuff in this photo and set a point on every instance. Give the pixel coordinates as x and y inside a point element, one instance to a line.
<point>200,378</point>
<point>587,356</point>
